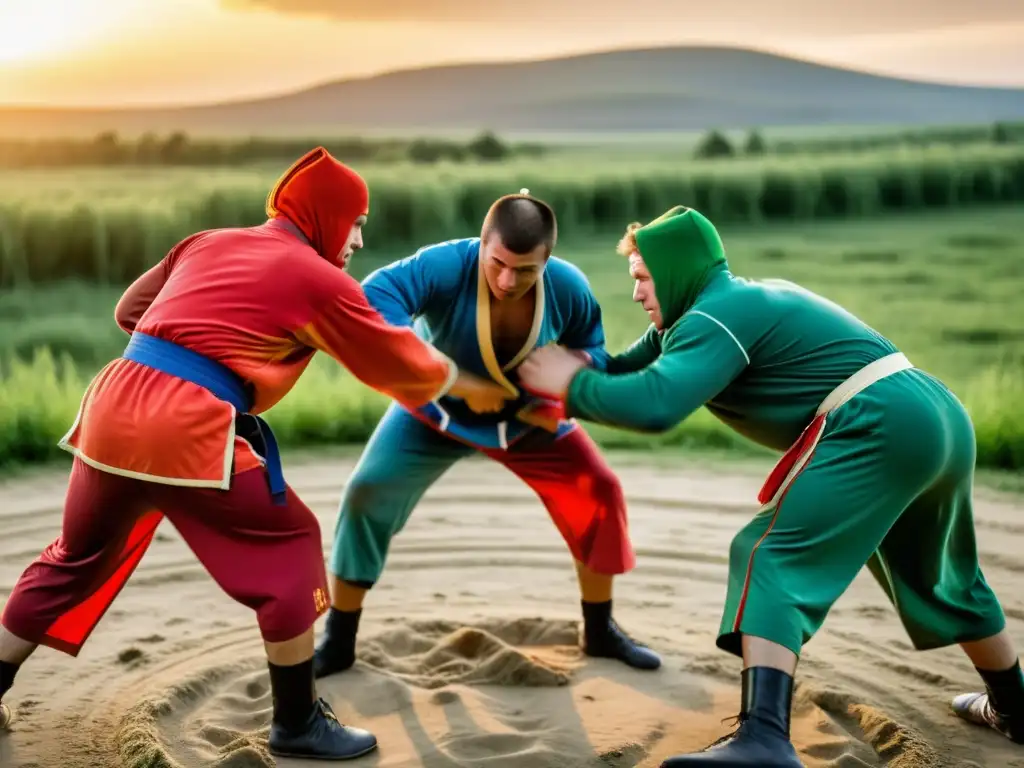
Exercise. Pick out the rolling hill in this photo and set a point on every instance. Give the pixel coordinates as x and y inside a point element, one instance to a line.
<point>635,91</point>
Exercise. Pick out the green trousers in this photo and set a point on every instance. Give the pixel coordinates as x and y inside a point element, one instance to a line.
<point>888,486</point>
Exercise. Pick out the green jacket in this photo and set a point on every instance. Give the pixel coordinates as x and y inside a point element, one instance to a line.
<point>761,355</point>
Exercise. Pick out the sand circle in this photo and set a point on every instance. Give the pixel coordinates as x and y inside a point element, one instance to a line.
<point>439,694</point>
<point>448,676</point>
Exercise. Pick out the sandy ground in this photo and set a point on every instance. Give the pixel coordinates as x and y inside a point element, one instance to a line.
<point>468,651</point>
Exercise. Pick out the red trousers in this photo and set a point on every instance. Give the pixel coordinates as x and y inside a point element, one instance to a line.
<point>268,558</point>
<point>405,456</point>
<point>581,494</point>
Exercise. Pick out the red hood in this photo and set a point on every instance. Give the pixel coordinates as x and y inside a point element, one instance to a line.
<point>323,198</point>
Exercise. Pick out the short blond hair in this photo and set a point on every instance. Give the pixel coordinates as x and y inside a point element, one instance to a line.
<point>627,245</point>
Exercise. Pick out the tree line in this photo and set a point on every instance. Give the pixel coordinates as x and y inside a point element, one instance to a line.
<point>180,149</point>
<point>716,144</point>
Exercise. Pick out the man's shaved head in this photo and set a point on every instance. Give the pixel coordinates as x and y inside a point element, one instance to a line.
<point>522,223</point>
<point>517,238</point>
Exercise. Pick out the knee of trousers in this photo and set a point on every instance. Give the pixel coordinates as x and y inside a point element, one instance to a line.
<point>371,513</point>
<point>373,507</point>
<point>601,541</point>
<point>740,549</point>
<point>773,595</point>
<point>292,604</point>
<point>604,487</point>
<point>24,617</point>
<point>287,582</point>
<point>289,616</point>
<point>47,588</point>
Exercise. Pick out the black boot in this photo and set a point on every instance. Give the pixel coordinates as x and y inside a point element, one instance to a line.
<point>337,650</point>
<point>321,737</point>
<point>602,638</point>
<point>305,726</point>
<point>7,673</point>
<point>762,740</point>
<point>1000,707</point>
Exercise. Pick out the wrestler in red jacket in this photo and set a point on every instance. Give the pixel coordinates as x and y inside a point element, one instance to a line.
<point>221,329</point>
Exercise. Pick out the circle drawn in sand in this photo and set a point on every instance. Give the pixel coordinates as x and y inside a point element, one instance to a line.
<point>449,694</point>
<point>219,716</point>
<point>167,730</point>
<point>441,694</point>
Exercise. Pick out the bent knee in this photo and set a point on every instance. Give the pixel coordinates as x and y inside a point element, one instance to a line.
<point>280,622</point>
<point>366,490</point>
<point>742,546</point>
<point>294,606</point>
<point>310,526</point>
<point>303,529</point>
<point>378,500</point>
<point>604,486</point>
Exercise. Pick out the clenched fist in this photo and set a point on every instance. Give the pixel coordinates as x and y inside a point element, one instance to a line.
<point>481,395</point>
<point>548,371</point>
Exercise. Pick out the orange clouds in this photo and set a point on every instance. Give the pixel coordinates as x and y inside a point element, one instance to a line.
<point>789,17</point>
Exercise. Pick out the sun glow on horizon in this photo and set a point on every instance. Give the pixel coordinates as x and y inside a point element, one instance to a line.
<point>53,29</point>
<point>124,53</point>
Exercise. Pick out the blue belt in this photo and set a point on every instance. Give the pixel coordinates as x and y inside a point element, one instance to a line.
<point>218,380</point>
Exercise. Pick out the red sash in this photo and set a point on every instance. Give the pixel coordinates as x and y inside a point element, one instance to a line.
<point>792,462</point>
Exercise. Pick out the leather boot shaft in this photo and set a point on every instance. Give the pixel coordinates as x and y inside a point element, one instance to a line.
<point>767,698</point>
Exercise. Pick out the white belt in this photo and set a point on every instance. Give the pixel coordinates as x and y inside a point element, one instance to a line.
<point>857,383</point>
<point>864,378</point>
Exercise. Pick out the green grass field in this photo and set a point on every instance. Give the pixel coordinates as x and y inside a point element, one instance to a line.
<point>945,287</point>
<point>107,225</point>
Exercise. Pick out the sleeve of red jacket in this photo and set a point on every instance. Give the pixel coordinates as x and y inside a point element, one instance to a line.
<point>140,294</point>
<point>392,360</point>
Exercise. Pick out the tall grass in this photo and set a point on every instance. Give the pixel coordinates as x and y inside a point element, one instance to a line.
<point>56,233</point>
<point>39,399</point>
<point>945,288</point>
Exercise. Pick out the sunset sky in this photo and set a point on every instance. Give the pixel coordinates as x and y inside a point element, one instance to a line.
<point>113,52</point>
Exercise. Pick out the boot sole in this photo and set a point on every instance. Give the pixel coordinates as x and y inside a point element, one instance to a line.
<point>301,756</point>
<point>966,717</point>
<point>610,657</point>
<point>989,727</point>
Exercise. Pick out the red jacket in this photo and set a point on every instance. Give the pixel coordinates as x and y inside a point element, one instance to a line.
<point>261,301</point>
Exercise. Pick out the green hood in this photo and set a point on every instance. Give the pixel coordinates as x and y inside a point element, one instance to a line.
<point>682,250</point>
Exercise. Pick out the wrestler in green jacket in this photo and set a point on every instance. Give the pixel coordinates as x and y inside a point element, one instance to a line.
<point>877,470</point>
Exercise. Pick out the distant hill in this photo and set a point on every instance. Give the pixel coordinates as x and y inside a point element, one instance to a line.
<point>634,91</point>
